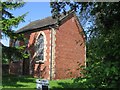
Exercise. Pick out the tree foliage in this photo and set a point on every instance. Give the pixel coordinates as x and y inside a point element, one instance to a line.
<point>8,21</point>
<point>102,43</point>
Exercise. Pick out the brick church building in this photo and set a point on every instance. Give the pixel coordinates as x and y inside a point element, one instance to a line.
<point>54,50</point>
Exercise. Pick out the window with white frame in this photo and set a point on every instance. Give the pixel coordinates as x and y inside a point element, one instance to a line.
<point>40,47</point>
<point>17,43</point>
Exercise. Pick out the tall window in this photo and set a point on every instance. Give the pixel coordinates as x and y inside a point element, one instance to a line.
<point>16,44</point>
<point>40,47</point>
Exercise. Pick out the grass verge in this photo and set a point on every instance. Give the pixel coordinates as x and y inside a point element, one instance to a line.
<point>11,81</point>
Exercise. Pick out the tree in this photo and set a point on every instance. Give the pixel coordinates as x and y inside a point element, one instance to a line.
<point>102,42</point>
<point>7,22</point>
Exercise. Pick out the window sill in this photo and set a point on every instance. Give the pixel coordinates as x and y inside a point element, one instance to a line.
<point>40,62</point>
<point>15,61</point>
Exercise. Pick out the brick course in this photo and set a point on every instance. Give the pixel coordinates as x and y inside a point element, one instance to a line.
<point>68,50</point>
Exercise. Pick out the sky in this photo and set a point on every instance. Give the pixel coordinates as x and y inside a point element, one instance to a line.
<point>36,10</point>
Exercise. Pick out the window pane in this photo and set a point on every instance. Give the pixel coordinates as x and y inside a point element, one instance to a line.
<point>16,43</point>
<point>40,47</point>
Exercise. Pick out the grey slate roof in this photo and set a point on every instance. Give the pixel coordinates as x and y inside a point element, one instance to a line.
<point>46,22</point>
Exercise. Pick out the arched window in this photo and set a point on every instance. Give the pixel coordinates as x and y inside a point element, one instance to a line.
<point>16,44</point>
<point>40,47</point>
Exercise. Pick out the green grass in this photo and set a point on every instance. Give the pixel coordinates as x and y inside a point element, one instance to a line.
<point>67,83</point>
<point>18,82</point>
<point>10,81</point>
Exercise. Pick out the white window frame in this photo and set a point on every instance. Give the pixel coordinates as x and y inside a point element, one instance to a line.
<point>45,48</point>
<point>17,43</point>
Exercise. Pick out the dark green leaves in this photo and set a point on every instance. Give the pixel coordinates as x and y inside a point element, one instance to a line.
<point>103,43</point>
<point>7,22</point>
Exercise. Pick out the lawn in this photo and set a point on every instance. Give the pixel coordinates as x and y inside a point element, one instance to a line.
<point>29,82</point>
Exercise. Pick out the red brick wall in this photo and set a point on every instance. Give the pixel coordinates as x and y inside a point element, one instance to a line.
<point>15,67</point>
<point>44,67</point>
<point>69,50</point>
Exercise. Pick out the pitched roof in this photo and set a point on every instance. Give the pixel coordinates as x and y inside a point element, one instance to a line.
<point>43,23</point>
